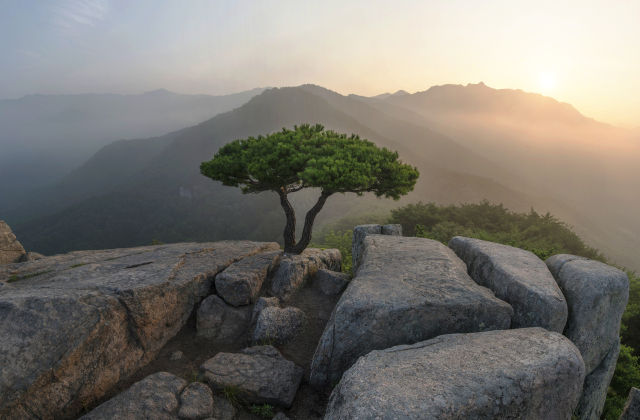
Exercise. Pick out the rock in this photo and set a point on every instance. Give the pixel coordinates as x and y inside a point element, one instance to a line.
<point>260,374</point>
<point>241,283</point>
<point>594,390</point>
<point>176,355</point>
<point>519,278</point>
<point>280,416</point>
<point>262,303</point>
<point>31,256</point>
<point>596,295</point>
<point>296,270</point>
<point>332,282</point>
<point>528,373</point>
<point>74,325</point>
<point>10,249</point>
<point>217,319</point>
<point>154,397</point>
<point>632,407</point>
<point>394,230</point>
<point>222,409</point>
<point>407,290</point>
<point>277,325</point>
<point>359,233</point>
<point>196,402</point>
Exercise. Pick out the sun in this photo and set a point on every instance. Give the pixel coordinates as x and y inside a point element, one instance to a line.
<point>547,81</point>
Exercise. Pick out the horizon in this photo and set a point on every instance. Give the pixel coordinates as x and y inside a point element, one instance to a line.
<point>586,55</point>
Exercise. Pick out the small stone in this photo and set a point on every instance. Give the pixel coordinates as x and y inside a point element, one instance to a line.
<point>196,402</point>
<point>296,270</point>
<point>277,326</point>
<point>217,319</point>
<point>176,355</point>
<point>280,416</point>
<point>223,409</point>
<point>261,375</point>
<point>331,282</point>
<point>262,303</point>
<point>632,408</point>
<point>31,256</point>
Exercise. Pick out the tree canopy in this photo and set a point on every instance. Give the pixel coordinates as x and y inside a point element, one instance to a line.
<point>310,157</point>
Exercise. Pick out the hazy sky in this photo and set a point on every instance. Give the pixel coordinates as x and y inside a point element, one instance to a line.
<point>584,52</point>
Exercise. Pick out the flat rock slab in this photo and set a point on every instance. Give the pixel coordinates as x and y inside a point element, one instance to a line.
<point>278,326</point>
<point>260,374</point>
<point>296,270</point>
<point>407,290</point>
<point>597,295</point>
<point>528,374</point>
<point>362,231</point>
<point>632,407</point>
<point>519,278</point>
<point>241,283</point>
<point>73,325</point>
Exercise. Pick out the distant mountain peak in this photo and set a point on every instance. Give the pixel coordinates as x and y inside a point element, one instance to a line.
<point>159,92</point>
<point>401,93</point>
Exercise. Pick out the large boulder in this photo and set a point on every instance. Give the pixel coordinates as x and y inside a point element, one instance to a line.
<point>277,325</point>
<point>296,270</point>
<point>241,283</point>
<point>74,325</point>
<point>519,278</point>
<point>10,249</point>
<point>596,384</point>
<point>528,373</point>
<point>631,409</point>
<point>362,231</point>
<point>261,375</point>
<point>596,295</point>
<point>216,319</point>
<point>407,290</point>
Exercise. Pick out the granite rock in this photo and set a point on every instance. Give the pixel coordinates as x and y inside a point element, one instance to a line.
<point>216,319</point>
<point>596,384</point>
<point>632,407</point>
<point>74,325</point>
<point>296,270</point>
<point>278,325</point>
<point>261,375</point>
<point>241,283</point>
<point>196,402</point>
<point>359,233</point>
<point>519,278</point>
<point>31,256</point>
<point>528,374</point>
<point>263,302</point>
<point>407,290</point>
<point>596,295</point>
<point>331,282</point>
<point>10,249</point>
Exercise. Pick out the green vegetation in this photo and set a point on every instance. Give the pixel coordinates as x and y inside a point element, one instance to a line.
<point>156,242</point>
<point>232,394</point>
<point>16,277</point>
<point>544,235</point>
<point>265,410</point>
<point>78,265</point>
<point>341,242</point>
<point>309,157</point>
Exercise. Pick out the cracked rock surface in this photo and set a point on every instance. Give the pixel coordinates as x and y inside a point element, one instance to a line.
<point>407,290</point>
<point>260,374</point>
<point>519,278</point>
<point>73,325</point>
<point>527,373</point>
<point>11,251</point>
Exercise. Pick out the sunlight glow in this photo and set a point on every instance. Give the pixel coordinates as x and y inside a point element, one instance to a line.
<point>547,81</point>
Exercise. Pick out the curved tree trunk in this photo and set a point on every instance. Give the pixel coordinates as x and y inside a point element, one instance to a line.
<point>290,228</point>
<point>308,224</point>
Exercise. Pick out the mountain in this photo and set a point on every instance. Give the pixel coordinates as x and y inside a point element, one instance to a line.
<point>162,196</point>
<point>386,95</point>
<point>44,137</point>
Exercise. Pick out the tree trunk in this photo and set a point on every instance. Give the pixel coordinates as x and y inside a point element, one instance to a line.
<point>308,223</point>
<point>290,228</point>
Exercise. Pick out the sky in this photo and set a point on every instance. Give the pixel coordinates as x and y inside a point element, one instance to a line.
<point>585,52</point>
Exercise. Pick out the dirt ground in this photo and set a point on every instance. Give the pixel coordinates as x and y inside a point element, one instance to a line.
<point>309,404</point>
